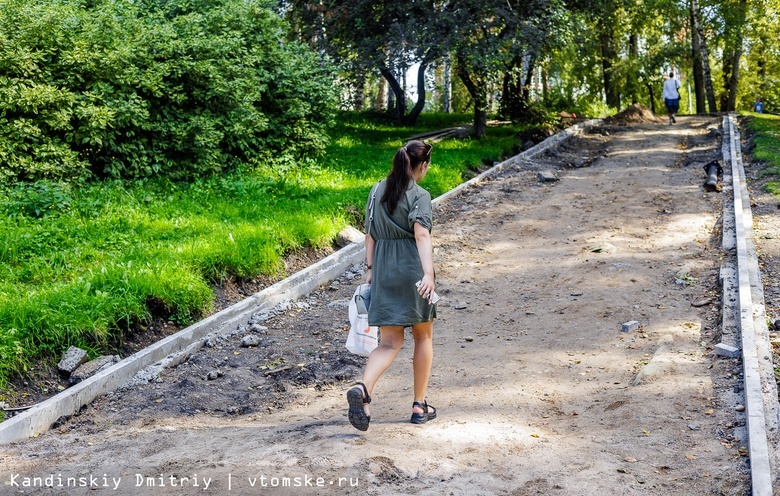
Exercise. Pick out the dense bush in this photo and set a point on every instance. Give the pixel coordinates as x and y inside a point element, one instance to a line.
<point>142,88</point>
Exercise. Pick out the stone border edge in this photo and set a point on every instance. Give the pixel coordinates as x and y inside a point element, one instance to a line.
<point>40,417</point>
<point>749,319</point>
<point>550,142</point>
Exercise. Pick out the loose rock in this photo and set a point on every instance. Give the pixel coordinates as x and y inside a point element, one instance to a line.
<point>250,340</point>
<point>547,177</point>
<point>629,326</point>
<point>603,248</point>
<point>92,367</point>
<point>72,359</point>
<point>348,235</point>
<point>726,350</point>
<point>258,328</point>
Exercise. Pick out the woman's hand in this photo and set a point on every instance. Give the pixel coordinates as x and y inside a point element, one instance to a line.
<point>426,287</point>
<point>425,250</point>
<point>368,276</point>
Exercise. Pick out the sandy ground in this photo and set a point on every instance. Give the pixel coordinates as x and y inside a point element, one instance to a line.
<point>538,390</point>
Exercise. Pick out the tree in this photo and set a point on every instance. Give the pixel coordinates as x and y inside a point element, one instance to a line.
<point>761,67</point>
<point>609,57</point>
<point>734,16</point>
<point>386,37</point>
<point>476,47</point>
<point>605,15</point>
<point>528,30</point>
<point>696,59</point>
<point>698,30</point>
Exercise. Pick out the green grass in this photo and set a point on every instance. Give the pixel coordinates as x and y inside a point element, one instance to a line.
<point>767,145</point>
<point>80,264</point>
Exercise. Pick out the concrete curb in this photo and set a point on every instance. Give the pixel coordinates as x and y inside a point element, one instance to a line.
<point>177,347</point>
<point>40,417</point>
<point>550,142</point>
<point>751,319</point>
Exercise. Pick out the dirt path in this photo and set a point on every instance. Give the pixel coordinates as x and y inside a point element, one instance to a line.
<point>539,391</point>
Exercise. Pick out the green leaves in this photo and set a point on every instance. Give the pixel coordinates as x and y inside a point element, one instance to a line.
<point>139,89</point>
<point>36,199</point>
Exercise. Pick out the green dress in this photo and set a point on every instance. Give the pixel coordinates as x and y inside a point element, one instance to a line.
<point>396,265</point>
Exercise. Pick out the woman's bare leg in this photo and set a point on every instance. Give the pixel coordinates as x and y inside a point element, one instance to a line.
<point>390,343</point>
<point>423,360</point>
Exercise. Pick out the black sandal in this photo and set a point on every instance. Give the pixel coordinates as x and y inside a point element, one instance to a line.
<point>421,418</point>
<point>356,400</point>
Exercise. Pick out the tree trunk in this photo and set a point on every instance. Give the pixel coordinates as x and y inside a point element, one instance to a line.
<point>545,87</point>
<point>608,57</point>
<point>631,80</point>
<point>516,89</point>
<point>381,94</point>
<point>404,87</point>
<point>698,74</point>
<point>652,97</point>
<point>525,95</point>
<point>511,95</point>
<point>506,95</point>
<point>360,86</point>
<point>420,104</point>
<point>319,31</point>
<point>398,93</point>
<point>731,103</point>
<point>447,84</point>
<point>735,25</point>
<point>480,120</point>
<point>705,57</point>
<point>479,94</point>
<point>728,59</point>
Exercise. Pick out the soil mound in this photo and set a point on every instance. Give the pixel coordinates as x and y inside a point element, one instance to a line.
<point>634,114</point>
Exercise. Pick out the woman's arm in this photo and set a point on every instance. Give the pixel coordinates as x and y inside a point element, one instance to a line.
<point>369,256</point>
<point>425,249</point>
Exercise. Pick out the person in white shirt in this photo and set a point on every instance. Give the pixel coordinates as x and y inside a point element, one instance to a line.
<point>671,97</point>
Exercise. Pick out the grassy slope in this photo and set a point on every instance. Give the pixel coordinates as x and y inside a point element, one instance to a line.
<point>107,254</point>
<point>767,144</point>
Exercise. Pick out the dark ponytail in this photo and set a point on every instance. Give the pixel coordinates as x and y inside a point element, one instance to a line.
<point>408,158</point>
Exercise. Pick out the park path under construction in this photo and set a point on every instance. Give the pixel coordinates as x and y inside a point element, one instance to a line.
<point>538,388</point>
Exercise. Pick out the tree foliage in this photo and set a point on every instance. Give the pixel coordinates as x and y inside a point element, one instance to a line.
<point>154,87</point>
<point>386,38</point>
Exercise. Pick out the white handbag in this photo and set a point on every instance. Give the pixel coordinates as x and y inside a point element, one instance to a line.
<point>362,338</point>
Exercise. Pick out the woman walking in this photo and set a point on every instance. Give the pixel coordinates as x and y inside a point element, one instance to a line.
<point>399,254</point>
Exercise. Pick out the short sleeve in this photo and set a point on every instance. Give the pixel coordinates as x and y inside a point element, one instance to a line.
<point>421,210</point>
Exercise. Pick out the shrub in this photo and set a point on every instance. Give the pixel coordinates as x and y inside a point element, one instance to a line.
<point>154,87</point>
<point>36,199</point>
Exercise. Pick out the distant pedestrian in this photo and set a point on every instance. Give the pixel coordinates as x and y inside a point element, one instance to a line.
<point>399,255</point>
<point>671,97</point>
<point>758,106</point>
